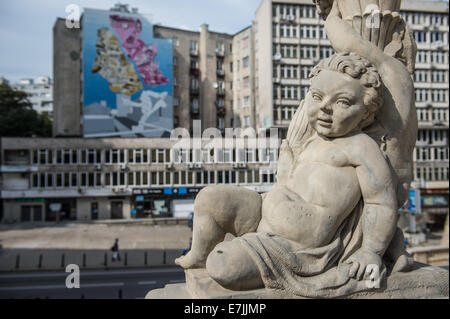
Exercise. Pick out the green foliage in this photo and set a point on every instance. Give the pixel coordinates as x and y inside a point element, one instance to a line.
<point>17,118</point>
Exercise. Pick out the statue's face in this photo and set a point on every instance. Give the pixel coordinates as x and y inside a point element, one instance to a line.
<point>335,104</point>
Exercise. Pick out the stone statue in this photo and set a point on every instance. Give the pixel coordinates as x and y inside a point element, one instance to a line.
<point>344,169</point>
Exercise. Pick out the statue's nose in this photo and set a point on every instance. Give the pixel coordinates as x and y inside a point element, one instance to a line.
<point>325,107</point>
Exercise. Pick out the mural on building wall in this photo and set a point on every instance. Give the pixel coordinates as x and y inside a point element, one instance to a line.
<point>127,77</point>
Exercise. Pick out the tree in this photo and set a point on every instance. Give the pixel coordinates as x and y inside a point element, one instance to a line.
<point>17,118</point>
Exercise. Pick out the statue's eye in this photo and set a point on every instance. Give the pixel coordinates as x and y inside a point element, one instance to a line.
<point>316,97</point>
<point>343,102</point>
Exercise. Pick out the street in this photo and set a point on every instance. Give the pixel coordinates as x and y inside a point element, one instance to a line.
<point>98,284</point>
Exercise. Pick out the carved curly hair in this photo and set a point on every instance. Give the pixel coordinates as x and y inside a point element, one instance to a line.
<point>358,68</point>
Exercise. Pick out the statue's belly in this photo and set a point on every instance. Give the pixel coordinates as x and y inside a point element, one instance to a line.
<point>312,205</point>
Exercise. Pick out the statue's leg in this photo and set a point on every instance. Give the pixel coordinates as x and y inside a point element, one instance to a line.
<point>232,267</point>
<point>218,210</point>
<point>397,254</point>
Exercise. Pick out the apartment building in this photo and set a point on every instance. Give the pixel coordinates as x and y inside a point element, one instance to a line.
<point>243,70</point>
<point>40,93</point>
<point>202,76</point>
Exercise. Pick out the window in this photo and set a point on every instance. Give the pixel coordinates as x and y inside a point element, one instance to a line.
<point>245,42</point>
<point>245,62</point>
<point>175,41</point>
<point>193,46</point>
<point>246,101</point>
<point>246,82</point>
<point>246,121</point>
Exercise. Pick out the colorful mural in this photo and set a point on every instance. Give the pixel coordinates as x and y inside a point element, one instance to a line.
<point>127,77</point>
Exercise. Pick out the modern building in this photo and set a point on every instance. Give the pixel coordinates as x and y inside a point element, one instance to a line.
<point>40,93</point>
<point>114,178</point>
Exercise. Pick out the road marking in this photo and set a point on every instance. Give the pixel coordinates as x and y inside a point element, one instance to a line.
<point>176,281</point>
<point>151,282</point>
<point>42,287</point>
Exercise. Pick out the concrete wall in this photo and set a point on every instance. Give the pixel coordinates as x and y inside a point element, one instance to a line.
<point>12,210</point>
<point>263,65</point>
<point>104,207</point>
<point>67,80</point>
<point>239,73</point>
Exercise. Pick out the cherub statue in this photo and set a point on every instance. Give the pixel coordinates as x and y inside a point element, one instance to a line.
<point>330,220</point>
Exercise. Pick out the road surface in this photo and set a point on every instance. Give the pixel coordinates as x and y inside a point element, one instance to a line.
<point>103,284</point>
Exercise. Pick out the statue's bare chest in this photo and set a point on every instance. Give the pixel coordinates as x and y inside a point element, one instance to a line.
<point>323,152</point>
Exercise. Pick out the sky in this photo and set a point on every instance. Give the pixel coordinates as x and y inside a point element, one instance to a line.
<point>26,47</point>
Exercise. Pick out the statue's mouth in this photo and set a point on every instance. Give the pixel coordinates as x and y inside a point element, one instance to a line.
<point>325,121</point>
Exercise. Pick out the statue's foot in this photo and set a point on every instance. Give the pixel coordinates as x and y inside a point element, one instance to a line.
<point>190,261</point>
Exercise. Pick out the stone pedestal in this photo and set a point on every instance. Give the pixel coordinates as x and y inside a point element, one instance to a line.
<point>424,282</point>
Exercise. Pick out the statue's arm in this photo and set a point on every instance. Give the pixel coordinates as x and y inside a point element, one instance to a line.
<point>378,191</point>
<point>394,74</point>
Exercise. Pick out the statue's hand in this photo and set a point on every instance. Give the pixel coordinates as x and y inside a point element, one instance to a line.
<point>359,261</point>
<point>285,161</point>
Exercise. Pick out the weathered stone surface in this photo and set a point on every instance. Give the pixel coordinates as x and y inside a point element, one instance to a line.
<point>425,282</point>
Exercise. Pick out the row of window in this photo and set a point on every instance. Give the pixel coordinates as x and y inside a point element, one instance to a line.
<point>432,136</point>
<point>306,52</point>
<point>421,18</point>
<point>193,46</point>
<point>151,156</point>
<point>431,174</point>
<point>431,76</point>
<point>439,57</point>
<point>283,113</point>
<point>287,11</point>
<point>430,37</point>
<point>293,30</point>
<point>422,154</point>
<point>289,91</point>
<point>432,95</point>
<point>289,71</point>
<point>149,179</point>
<point>432,114</point>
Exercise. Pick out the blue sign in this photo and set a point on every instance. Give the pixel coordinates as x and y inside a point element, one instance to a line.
<point>182,190</point>
<point>412,201</point>
<point>168,191</point>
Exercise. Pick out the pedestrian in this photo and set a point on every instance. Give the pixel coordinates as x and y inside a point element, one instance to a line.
<point>115,250</point>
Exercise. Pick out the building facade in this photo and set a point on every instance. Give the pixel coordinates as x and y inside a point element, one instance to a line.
<point>40,93</point>
<point>88,179</point>
<point>202,70</point>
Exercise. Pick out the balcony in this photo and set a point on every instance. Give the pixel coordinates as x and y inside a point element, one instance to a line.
<point>220,73</point>
<point>194,90</point>
<point>221,111</point>
<point>193,52</point>
<point>220,92</point>
<point>220,53</point>
<point>195,109</point>
<point>194,71</point>
<point>277,58</point>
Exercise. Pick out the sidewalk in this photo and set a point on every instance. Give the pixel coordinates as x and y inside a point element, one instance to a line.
<point>52,246</point>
